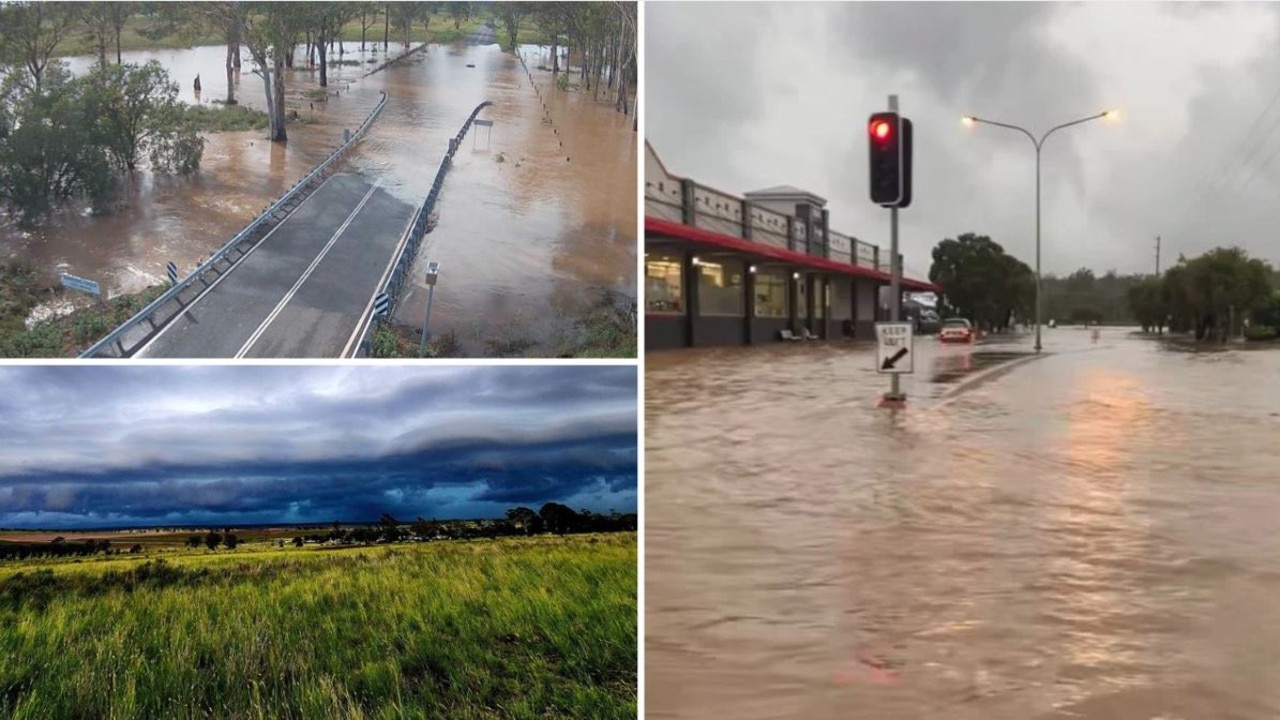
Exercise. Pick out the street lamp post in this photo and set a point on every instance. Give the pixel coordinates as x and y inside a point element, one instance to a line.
<point>969,120</point>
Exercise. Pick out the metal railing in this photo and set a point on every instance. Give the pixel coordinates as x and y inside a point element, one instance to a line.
<point>148,321</point>
<point>407,250</point>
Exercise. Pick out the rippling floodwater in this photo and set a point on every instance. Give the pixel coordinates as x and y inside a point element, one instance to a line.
<point>520,242</point>
<point>1092,534</point>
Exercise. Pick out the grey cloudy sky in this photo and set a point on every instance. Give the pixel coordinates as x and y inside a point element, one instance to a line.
<point>96,446</point>
<point>743,96</point>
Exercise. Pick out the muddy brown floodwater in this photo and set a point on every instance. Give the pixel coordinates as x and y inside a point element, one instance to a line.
<point>535,217</point>
<point>523,243</point>
<point>1092,534</point>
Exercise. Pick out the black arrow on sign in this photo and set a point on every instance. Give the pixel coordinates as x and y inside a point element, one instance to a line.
<point>889,362</point>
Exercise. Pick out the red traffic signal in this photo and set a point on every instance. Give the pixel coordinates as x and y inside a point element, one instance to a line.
<point>881,129</point>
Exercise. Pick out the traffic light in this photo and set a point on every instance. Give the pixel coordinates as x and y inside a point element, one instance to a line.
<point>890,142</point>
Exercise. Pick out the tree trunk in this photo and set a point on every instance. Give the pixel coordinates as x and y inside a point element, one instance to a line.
<point>363,26</point>
<point>617,61</point>
<point>324,65</point>
<point>386,25</point>
<point>237,54</point>
<point>278,91</point>
<point>272,119</point>
<point>231,87</point>
<point>117,23</point>
<point>555,54</point>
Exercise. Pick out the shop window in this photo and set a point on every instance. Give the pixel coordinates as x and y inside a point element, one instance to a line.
<point>771,293</point>
<point>720,288</point>
<point>663,286</point>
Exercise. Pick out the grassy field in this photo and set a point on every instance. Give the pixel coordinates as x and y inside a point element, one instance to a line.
<point>513,628</point>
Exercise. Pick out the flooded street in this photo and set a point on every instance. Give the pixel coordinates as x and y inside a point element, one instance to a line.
<point>1091,534</point>
<point>521,242</point>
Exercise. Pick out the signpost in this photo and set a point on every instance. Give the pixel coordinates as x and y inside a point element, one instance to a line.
<point>433,274</point>
<point>895,349</point>
<point>71,282</point>
<point>488,136</point>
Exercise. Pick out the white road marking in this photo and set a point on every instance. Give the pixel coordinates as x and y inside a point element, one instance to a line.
<point>305,274</point>
<point>140,351</point>
<point>382,282</point>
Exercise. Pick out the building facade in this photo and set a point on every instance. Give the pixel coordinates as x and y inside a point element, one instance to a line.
<point>726,270</point>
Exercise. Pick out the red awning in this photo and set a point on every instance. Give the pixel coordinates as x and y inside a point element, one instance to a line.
<point>707,237</point>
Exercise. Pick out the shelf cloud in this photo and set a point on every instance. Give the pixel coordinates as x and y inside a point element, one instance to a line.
<point>114,446</point>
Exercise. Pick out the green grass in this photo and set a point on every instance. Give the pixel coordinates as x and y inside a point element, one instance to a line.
<point>225,118</point>
<point>515,628</point>
<point>21,290</point>
<point>398,341</point>
<point>607,331</point>
<point>65,336</point>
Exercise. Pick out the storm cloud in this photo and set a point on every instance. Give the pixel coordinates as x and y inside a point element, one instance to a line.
<point>164,445</point>
<point>745,96</point>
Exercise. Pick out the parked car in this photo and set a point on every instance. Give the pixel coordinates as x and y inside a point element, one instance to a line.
<point>956,330</point>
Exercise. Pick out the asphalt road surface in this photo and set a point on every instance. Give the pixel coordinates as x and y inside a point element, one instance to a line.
<point>301,292</point>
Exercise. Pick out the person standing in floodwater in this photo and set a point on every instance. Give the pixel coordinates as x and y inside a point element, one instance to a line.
<point>1096,332</point>
<point>197,82</point>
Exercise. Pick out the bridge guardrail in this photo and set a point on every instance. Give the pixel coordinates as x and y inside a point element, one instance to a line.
<point>407,249</point>
<point>149,320</point>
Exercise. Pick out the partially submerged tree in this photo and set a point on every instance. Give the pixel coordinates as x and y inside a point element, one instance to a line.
<point>326,20</point>
<point>50,147</point>
<point>271,31</point>
<point>143,114</point>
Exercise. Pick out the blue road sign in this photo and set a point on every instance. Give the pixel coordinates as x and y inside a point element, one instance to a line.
<point>381,304</point>
<point>71,282</point>
<point>173,273</point>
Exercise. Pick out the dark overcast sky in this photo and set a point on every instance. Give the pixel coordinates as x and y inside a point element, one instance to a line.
<point>97,446</point>
<point>743,96</point>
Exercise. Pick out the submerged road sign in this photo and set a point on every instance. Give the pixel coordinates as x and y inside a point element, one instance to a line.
<point>71,282</point>
<point>172,271</point>
<point>895,348</point>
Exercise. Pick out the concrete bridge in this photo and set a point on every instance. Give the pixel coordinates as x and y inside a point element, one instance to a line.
<point>301,292</point>
<point>298,282</point>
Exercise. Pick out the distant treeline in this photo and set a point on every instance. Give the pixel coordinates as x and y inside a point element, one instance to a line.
<point>59,547</point>
<point>552,518</point>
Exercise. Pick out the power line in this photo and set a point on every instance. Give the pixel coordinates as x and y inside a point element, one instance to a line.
<point>1213,188</point>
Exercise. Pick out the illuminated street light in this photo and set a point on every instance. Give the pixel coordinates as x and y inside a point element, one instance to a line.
<point>970,120</point>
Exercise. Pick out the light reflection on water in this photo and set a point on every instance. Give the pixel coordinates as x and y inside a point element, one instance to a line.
<point>1093,534</point>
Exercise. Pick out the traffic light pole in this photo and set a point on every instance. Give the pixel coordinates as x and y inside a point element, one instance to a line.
<point>895,276</point>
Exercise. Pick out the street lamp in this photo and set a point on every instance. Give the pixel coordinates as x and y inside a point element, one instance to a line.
<point>971,120</point>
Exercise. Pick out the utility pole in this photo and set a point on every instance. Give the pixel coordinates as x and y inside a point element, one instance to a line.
<point>1157,256</point>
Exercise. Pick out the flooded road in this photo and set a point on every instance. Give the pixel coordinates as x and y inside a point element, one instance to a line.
<point>1091,534</point>
<point>535,217</point>
<point>521,242</point>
